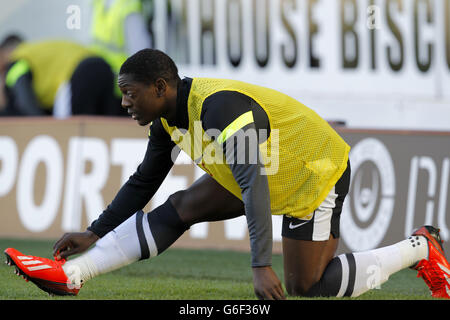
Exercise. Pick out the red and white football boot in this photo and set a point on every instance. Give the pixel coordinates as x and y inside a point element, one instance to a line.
<point>435,270</point>
<point>47,274</point>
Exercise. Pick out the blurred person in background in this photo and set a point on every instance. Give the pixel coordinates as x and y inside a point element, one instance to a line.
<point>118,30</point>
<point>119,26</point>
<point>2,98</point>
<point>6,47</point>
<point>58,78</point>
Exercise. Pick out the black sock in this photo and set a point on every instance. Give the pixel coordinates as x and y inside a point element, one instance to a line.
<point>165,225</point>
<point>334,277</point>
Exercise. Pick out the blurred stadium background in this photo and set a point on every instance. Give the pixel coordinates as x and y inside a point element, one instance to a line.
<point>379,70</point>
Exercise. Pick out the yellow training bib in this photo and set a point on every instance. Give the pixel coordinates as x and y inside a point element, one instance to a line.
<point>304,157</point>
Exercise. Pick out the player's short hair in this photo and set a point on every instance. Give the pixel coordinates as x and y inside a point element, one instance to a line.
<point>11,40</point>
<point>147,65</point>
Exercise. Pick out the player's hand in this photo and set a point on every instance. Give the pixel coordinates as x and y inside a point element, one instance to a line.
<point>73,243</point>
<point>267,285</point>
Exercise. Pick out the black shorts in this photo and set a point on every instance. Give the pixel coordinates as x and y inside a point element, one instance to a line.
<point>324,220</point>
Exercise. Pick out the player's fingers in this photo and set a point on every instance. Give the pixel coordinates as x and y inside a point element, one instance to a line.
<point>270,295</point>
<point>267,294</point>
<point>61,240</point>
<point>67,252</point>
<point>274,293</point>
<point>60,244</point>
<point>279,293</point>
<point>58,250</point>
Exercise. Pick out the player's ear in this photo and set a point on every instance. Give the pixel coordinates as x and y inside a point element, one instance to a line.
<point>160,87</point>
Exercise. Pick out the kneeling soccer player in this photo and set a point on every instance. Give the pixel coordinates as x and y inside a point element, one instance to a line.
<point>264,153</point>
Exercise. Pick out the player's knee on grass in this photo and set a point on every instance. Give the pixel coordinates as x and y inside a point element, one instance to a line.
<point>315,285</point>
<point>300,286</point>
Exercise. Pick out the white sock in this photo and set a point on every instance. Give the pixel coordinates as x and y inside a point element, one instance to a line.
<point>124,245</point>
<point>367,270</point>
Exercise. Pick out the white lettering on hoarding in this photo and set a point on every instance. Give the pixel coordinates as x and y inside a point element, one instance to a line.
<point>428,164</point>
<point>81,186</point>
<point>445,234</point>
<point>8,161</point>
<point>38,217</point>
<point>235,229</point>
<point>127,153</point>
<point>89,159</point>
<point>86,174</point>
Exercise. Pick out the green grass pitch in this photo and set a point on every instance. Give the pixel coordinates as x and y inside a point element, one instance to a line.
<point>181,274</point>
